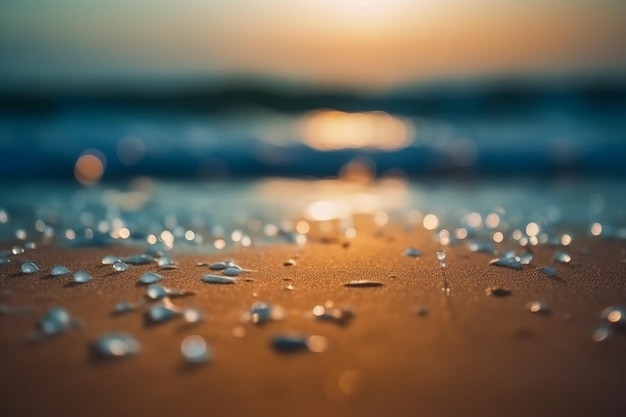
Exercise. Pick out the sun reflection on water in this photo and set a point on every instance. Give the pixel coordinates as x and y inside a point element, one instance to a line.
<point>332,129</point>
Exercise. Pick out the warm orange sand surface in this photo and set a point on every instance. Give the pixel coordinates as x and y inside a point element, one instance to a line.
<point>471,355</point>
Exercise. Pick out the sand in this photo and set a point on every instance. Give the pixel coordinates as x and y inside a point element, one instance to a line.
<point>471,355</point>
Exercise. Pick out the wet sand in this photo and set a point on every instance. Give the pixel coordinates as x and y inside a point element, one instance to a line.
<point>471,355</point>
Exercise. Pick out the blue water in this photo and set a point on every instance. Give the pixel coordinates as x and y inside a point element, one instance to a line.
<point>486,133</point>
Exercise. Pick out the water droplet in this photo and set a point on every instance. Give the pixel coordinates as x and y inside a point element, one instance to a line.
<point>116,345</point>
<point>110,259</point>
<point>339,315</point>
<point>4,259</point>
<point>289,262</point>
<point>231,272</point>
<point>549,271</point>
<point>125,307</point>
<point>141,259</point>
<point>29,267</point>
<point>483,247</point>
<point>421,310</point>
<point>413,252</point>
<point>293,342</point>
<point>17,250</point>
<point>59,270</point>
<point>195,350</point>
<point>30,245</point>
<point>161,313</point>
<point>601,334</point>
<point>218,266</point>
<point>120,266</point>
<point>55,321</point>
<point>525,258</point>
<point>614,314</point>
<point>193,315</point>
<point>150,278</point>
<point>498,291</point>
<point>164,261</point>
<point>511,263</point>
<point>538,307</point>
<point>289,287</point>
<point>562,257</point>
<point>363,283</point>
<point>217,279</point>
<point>441,255</point>
<point>20,234</point>
<point>156,292</point>
<point>261,313</point>
<point>81,277</point>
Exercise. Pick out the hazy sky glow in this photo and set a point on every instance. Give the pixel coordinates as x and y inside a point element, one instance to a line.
<point>360,43</point>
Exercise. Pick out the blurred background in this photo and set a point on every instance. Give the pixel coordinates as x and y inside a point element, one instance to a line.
<point>217,89</point>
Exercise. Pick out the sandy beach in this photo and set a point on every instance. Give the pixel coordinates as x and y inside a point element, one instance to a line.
<point>467,353</point>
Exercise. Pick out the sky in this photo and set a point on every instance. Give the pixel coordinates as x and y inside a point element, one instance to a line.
<point>364,44</point>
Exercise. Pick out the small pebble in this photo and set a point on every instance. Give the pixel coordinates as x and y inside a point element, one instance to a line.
<point>498,292</point>
<point>421,310</point>
<point>363,283</point>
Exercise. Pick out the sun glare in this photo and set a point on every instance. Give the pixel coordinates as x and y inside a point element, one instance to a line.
<point>332,129</point>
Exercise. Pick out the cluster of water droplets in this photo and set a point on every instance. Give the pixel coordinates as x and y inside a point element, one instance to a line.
<point>479,234</point>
